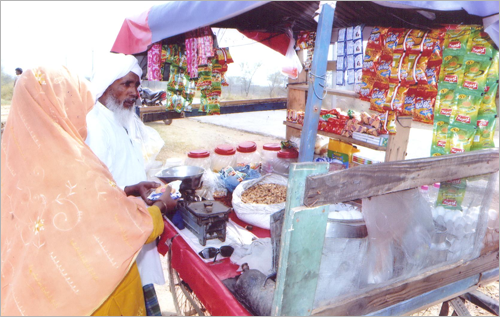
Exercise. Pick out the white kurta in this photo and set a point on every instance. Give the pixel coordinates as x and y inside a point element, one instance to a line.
<point>109,140</point>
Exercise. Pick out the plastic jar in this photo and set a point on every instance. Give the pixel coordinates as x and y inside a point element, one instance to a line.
<point>269,155</point>
<point>224,155</point>
<point>246,154</point>
<point>200,158</point>
<point>285,157</point>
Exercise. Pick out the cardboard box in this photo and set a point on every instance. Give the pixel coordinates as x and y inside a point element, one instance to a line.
<point>380,140</point>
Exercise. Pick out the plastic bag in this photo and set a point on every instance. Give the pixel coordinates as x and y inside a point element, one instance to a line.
<point>292,67</point>
<point>213,186</point>
<point>257,214</point>
<point>150,141</point>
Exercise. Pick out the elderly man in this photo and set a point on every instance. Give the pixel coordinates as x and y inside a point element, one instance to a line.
<point>110,125</point>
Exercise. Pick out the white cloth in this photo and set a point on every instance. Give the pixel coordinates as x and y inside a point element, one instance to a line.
<point>109,140</point>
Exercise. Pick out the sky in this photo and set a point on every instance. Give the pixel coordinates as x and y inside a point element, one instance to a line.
<point>78,34</point>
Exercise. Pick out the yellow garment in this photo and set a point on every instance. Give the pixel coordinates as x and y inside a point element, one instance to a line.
<point>128,298</point>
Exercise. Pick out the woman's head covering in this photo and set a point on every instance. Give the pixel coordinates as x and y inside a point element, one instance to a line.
<point>68,234</point>
<point>114,67</point>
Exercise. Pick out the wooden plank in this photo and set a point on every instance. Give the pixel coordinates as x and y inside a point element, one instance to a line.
<point>397,143</point>
<point>315,92</point>
<point>383,178</point>
<point>300,246</point>
<point>339,137</point>
<point>421,302</point>
<point>482,300</point>
<point>393,294</point>
<point>489,277</point>
<point>329,91</point>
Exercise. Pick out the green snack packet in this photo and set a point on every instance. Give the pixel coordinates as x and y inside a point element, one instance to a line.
<point>460,137</point>
<point>170,102</point>
<point>493,71</point>
<point>468,103</point>
<point>440,136</point>
<point>452,69</point>
<point>455,41</point>
<point>446,104</point>
<point>476,71</point>
<point>480,44</point>
<point>488,103</point>
<point>179,103</point>
<point>485,132</point>
<point>451,194</point>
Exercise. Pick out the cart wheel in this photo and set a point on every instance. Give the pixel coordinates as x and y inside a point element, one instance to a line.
<point>185,301</point>
<point>167,121</point>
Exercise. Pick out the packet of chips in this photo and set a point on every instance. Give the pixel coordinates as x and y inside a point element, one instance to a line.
<point>476,71</point>
<point>455,41</point>
<point>432,71</point>
<point>409,102</point>
<point>433,38</point>
<point>467,107</point>
<point>440,136</point>
<point>389,122</point>
<point>480,44</point>
<point>451,194</point>
<point>395,97</point>
<point>460,137</point>
<point>424,105</point>
<point>488,104</point>
<point>452,69</point>
<point>420,69</point>
<point>366,87</point>
<point>383,67</point>
<point>406,69</point>
<point>446,104</point>
<point>378,96</point>
<point>370,61</point>
<point>204,76</point>
<point>392,37</point>
<point>397,61</point>
<point>401,42</point>
<point>493,70</point>
<point>415,41</point>
<point>376,38</point>
<point>483,139</point>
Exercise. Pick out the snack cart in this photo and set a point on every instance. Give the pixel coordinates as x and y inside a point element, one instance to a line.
<point>408,257</point>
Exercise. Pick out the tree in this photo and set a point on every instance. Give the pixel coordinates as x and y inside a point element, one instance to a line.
<point>247,72</point>
<point>276,80</point>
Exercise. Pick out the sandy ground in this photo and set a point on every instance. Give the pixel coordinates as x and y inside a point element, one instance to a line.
<point>184,135</point>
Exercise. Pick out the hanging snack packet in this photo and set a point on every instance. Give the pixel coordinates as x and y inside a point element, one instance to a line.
<point>434,38</point>
<point>420,69</point>
<point>415,41</point>
<point>409,103</point>
<point>451,196</point>
<point>460,137</point>
<point>169,102</point>
<point>388,122</point>
<point>397,61</point>
<point>476,71</point>
<point>401,42</point>
<point>480,44</point>
<point>446,104</point>
<point>455,41</point>
<point>432,71</point>
<point>467,107</point>
<point>485,132</point>
<point>493,70</point>
<point>439,136</point>
<point>378,96</point>
<point>406,69</point>
<point>488,104</point>
<point>452,70</point>
<point>395,97</point>
<point>370,61</point>
<point>204,76</point>
<point>179,103</point>
<point>366,87</point>
<point>424,106</point>
<point>376,39</point>
<point>392,38</point>
<point>383,68</point>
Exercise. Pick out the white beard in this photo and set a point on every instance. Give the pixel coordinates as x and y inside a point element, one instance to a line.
<point>122,115</point>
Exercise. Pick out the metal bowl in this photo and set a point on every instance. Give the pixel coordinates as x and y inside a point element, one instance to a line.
<point>189,175</point>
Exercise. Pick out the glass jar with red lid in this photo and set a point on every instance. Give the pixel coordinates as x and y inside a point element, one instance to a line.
<point>284,159</point>
<point>224,155</point>
<point>200,158</point>
<point>269,155</point>
<point>247,154</point>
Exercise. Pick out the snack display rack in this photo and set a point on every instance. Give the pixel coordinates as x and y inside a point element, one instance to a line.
<point>312,188</point>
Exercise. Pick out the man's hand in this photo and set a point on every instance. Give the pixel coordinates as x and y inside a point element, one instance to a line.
<point>166,203</point>
<point>142,189</point>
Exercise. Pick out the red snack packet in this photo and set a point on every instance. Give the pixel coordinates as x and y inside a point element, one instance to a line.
<point>392,38</point>
<point>397,61</point>
<point>383,67</point>
<point>395,97</point>
<point>415,41</point>
<point>378,97</point>
<point>376,38</point>
<point>432,73</point>
<point>424,106</point>
<point>420,68</point>
<point>370,61</point>
<point>365,90</point>
<point>406,69</point>
<point>409,103</point>
<point>400,44</point>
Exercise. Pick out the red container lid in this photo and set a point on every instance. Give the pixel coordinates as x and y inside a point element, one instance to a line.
<point>288,154</point>
<point>272,147</point>
<point>225,149</point>
<point>247,147</point>
<point>199,154</point>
